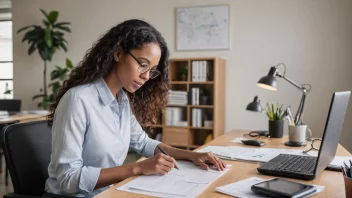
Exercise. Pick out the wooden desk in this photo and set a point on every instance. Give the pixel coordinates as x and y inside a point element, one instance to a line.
<point>333,181</point>
<point>22,118</point>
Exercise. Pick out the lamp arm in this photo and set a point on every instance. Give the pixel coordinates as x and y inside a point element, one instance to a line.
<point>299,114</point>
<point>292,82</point>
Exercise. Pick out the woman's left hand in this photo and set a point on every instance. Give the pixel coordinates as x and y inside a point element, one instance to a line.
<point>202,159</point>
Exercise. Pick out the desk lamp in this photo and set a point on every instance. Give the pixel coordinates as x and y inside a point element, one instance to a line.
<point>257,107</point>
<point>269,82</point>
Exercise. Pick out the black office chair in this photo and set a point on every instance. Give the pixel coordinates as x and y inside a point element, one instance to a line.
<point>27,148</point>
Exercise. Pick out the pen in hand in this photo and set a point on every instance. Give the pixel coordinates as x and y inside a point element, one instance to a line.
<point>167,155</point>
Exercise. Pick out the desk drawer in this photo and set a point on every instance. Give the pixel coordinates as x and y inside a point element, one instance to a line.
<point>176,136</point>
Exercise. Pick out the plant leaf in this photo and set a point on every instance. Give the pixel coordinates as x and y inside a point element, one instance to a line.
<point>63,46</point>
<point>44,13</point>
<point>24,28</point>
<point>31,49</point>
<point>61,24</point>
<point>48,38</point>
<point>69,63</point>
<point>46,23</point>
<point>53,16</point>
<point>67,29</point>
<point>38,96</point>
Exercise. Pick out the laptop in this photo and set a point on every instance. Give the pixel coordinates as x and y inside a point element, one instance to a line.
<point>12,106</point>
<point>308,167</point>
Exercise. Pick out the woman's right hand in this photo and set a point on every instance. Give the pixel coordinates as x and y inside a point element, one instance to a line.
<point>159,163</point>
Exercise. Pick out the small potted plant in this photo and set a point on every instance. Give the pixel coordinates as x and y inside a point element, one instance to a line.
<point>276,120</point>
<point>184,73</point>
<point>203,96</point>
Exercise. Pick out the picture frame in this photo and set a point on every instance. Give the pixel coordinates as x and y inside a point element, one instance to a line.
<point>203,28</point>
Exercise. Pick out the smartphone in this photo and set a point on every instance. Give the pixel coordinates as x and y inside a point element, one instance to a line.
<point>283,188</point>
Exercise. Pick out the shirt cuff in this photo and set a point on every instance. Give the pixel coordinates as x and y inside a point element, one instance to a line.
<point>89,179</point>
<point>150,147</point>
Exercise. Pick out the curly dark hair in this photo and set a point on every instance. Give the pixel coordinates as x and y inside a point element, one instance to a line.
<point>148,101</point>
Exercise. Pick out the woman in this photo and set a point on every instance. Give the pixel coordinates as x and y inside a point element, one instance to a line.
<point>94,124</point>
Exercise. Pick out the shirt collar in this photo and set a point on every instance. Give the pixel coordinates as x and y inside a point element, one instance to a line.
<point>106,95</point>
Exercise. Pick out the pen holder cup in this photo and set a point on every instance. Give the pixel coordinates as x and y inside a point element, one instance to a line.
<point>299,133</point>
<point>276,128</point>
<point>348,186</point>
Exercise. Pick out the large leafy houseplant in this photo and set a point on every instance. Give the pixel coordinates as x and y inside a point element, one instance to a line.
<point>57,76</point>
<point>46,40</point>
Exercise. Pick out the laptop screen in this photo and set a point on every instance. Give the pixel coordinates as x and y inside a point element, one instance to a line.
<point>332,131</point>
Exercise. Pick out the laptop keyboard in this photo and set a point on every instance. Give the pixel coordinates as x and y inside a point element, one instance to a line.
<point>297,163</point>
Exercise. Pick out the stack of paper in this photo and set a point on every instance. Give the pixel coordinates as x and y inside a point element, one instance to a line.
<point>339,161</point>
<point>188,181</point>
<point>4,114</point>
<point>225,152</point>
<point>248,154</point>
<point>39,112</point>
<point>264,154</point>
<point>243,188</point>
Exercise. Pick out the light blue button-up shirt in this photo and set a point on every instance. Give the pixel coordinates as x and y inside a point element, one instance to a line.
<point>92,130</point>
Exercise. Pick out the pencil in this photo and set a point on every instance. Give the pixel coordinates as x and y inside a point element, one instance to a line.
<point>167,155</point>
<point>344,171</point>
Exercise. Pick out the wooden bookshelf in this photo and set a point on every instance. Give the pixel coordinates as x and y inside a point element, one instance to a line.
<point>189,136</point>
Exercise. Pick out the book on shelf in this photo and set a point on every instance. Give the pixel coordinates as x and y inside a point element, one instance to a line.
<point>200,71</point>
<point>173,116</point>
<point>197,116</point>
<point>195,96</point>
<point>177,97</point>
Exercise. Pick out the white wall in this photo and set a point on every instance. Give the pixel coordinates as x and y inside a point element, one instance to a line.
<point>312,37</point>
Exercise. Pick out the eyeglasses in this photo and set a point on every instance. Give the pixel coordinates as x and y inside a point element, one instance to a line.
<point>314,146</point>
<point>143,68</point>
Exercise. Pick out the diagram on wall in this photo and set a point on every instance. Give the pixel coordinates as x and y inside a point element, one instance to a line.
<point>202,28</point>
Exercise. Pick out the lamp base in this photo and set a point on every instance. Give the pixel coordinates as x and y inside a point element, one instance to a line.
<point>295,144</point>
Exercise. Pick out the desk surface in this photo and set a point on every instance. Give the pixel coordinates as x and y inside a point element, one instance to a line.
<point>333,181</point>
<point>22,118</point>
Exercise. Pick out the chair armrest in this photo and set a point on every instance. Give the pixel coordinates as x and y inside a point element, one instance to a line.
<point>45,195</point>
<point>15,195</point>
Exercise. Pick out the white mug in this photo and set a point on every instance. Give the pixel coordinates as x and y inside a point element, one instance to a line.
<point>298,133</point>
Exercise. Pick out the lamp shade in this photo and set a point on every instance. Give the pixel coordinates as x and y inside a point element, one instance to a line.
<point>255,105</point>
<point>269,81</point>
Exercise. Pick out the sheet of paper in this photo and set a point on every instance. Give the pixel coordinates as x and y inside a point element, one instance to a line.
<point>339,160</point>
<point>265,154</point>
<point>225,152</point>
<point>188,181</point>
<point>243,188</point>
<point>248,154</point>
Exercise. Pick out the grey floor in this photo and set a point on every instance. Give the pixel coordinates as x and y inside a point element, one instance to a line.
<point>131,157</point>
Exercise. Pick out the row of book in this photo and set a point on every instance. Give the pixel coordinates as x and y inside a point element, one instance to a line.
<point>184,98</point>
<point>174,116</point>
<point>178,97</point>
<point>200,71</point>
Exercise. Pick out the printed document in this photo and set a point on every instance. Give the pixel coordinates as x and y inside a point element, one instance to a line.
<point>189,181</point>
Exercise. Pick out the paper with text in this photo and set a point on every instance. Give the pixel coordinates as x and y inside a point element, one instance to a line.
<point>188,181</point>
